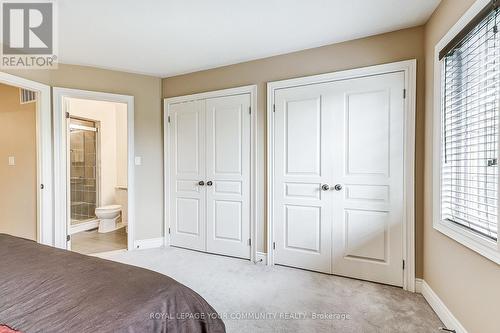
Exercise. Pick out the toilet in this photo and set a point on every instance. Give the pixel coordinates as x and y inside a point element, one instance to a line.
<point>109,217</point>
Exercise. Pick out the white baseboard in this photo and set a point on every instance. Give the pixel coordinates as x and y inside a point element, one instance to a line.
<point>418,285</point>
<point>148,243</point>
<point>448,319</point>
<point>261,258</point>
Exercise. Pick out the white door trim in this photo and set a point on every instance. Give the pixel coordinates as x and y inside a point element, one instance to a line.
<point>45,227</point>
<point>409,67</point>
<point>250,89</point>
<point>60,158</point>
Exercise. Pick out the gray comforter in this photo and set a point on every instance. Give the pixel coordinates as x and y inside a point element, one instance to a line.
<point>44,289</point>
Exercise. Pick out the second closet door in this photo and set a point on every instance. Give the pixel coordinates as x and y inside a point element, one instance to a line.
<point>228,175</point>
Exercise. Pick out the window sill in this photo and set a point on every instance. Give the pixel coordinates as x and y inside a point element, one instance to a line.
<point>485,247</point>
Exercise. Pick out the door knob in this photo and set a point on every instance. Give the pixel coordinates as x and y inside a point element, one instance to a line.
<point>338,187</point>
<point>325,187</point>
<point>201,183</point>
<point>209,183</point>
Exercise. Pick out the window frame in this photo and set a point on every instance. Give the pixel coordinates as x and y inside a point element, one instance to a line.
<point>481,244</point>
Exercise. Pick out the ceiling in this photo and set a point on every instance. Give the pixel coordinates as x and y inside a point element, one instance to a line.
<point>170,37</point>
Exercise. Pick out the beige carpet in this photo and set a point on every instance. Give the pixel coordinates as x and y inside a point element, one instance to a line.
<point>287,299</point>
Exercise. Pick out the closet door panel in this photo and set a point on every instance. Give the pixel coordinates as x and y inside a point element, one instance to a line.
<point>228,175</point>
<point>302,168</point>
<point>187,165</point>
<point>369,150</point>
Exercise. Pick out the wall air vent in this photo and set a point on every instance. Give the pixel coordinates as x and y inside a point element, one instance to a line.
<point>27,96</point>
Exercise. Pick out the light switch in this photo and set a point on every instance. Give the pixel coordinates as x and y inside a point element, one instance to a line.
<point>12,160</point>
<point>138,160</point>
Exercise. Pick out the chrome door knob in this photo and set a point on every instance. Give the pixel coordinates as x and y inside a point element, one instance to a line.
<point>338,187</point>
<point>325,187</point>
<point>209,183</point>
<point>201,183</point>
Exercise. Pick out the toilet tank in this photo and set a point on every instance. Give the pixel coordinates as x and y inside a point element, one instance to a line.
<point>121,196</point>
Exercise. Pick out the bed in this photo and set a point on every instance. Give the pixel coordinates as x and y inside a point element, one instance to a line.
<point>44,289</point>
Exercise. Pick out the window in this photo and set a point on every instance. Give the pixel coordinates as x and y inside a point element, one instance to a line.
<point>470,122</point>
<point>469,130</point>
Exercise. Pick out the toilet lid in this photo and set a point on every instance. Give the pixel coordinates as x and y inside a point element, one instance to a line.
<point>110,207</point>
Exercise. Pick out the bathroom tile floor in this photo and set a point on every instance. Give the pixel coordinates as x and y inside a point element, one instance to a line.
<point>88,242</point>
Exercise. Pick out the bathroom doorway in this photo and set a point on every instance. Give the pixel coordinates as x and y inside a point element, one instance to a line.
<point>95,151</point>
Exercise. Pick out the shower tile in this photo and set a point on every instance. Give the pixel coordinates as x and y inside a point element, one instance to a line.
<point>85,210</point>
<point>89,197</point>
<point>90,159</point>
<point>89,172</point>
<point>89,146</point>
<point>76,141</point>
<point>92,210</point>
<point>77,171</point>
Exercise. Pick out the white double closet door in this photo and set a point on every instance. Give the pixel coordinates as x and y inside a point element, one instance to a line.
<point>210,175</point>
<point>338,177</point>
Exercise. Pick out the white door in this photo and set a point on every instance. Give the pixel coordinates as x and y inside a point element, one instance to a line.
<point>210,175</point>
<point>187,165</point>
<point>348,135</point>
<point>369,160</point>
<point>228,175</point>
<point>302,165</point>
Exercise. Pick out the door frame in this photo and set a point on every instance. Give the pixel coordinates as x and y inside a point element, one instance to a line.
<point>60,158</point>
<point>409,67</point>
<point>250,89</point>
<point>45,227</point>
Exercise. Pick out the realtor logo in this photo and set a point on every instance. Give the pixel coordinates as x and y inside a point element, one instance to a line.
<point>28,35</point>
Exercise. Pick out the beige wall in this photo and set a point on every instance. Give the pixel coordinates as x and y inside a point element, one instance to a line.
<point>148,131</point>
<point>395,46</point>
<point>467,283</point>
<point>18,204</point>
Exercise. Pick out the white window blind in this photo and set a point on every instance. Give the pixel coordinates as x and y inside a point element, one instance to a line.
<point>469,128</point>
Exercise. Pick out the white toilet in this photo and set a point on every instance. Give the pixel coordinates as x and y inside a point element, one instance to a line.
<point>109,217</point>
